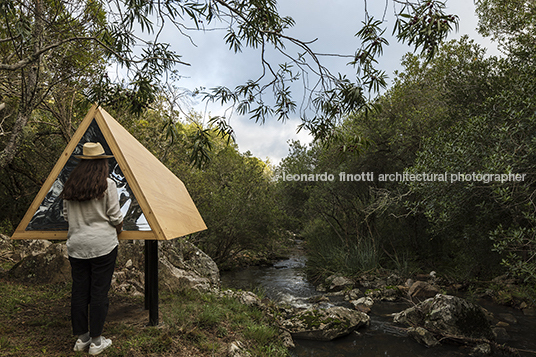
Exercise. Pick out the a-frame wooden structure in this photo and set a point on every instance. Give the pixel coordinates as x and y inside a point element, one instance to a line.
<point>163,198</point>
<point>166,205</point>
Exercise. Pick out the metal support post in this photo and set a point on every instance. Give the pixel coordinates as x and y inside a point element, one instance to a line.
<point>151,280</point>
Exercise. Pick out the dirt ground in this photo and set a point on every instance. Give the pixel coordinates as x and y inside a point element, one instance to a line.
<point>44,328</point>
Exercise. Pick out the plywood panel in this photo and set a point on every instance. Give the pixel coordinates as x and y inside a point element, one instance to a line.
<point>172,213</point>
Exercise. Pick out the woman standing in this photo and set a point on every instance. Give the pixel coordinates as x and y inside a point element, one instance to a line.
<point>91,207</point>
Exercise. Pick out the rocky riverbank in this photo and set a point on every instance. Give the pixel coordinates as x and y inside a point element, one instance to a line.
<point>436,315</point>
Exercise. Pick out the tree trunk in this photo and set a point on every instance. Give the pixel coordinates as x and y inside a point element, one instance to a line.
<point>29,90</point>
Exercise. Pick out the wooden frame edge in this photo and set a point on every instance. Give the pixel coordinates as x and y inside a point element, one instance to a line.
<point>62,235</point>
<point>60,163</point>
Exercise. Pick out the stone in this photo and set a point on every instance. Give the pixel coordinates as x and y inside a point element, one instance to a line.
<point>129,281</point>
<point>412,316</point>
<point>448,315</point>
<point>50,266</point>
<point>363,304</point>
<point>244,297</point>
<point>324,325</point>
<point>353,294</point>
<point>421,290</point>
<point>5,243</point>
<point>506,317</point>
<point>339,283</point>
<point>19,249</point>
<point>529,311</point>
<point>176,279</point>
<point>248,298</point>
<point>287,340</point>
<point>423,336</point>
<point>181,264</point>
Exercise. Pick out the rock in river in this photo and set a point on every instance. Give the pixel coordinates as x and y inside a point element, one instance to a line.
<point>448,315</point>
<point>325,325</point>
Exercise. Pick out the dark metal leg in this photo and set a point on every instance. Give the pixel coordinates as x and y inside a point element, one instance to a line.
<point>146,267</point>
<point>151,280</point>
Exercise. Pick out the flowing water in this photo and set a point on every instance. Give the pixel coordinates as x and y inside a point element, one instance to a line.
<point>286,282</point>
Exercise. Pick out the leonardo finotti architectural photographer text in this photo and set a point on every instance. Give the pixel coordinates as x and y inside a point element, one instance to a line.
<point>406,177</point>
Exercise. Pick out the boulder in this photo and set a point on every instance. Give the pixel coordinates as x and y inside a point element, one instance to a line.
<point>287,340</point>
<point>184,255</point>
<point>181,265</point>
<point>50,266</point>
<point>448,315</point>
<point>421,290</point>
<point>324,325</point>
<point>16,250</point>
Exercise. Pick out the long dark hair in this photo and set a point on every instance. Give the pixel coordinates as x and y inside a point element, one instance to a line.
<point>87,181</point>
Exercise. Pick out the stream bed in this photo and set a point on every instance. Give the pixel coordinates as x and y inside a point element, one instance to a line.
<point>286,282</point>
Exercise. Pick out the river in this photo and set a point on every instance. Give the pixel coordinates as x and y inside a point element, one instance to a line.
<point>286,282</point>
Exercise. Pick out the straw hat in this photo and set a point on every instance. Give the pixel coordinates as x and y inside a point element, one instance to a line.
<point>93,151</point>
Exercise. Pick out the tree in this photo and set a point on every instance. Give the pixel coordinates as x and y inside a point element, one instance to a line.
<point>492,135</point>
<point>38,36</point>
<point>45,44</point>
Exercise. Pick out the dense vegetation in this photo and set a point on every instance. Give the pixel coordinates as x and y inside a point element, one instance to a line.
<point>457,111</point>
<point>467,118</point>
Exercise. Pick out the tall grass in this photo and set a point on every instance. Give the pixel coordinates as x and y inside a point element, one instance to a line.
<point>329,254</point>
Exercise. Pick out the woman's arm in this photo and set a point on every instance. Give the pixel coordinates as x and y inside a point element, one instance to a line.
<point>119,228</point>
<point>113,209</point>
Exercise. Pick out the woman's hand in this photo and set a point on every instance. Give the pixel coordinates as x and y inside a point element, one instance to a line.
<point>119,228</point>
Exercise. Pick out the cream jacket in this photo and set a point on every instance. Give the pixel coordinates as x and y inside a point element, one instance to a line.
<point>92,224</point>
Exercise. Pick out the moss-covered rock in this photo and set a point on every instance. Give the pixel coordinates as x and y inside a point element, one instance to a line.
<point>325,325</point>
<point>448,315</point>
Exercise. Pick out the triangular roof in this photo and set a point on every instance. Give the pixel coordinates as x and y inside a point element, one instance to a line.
<point>167,209</point>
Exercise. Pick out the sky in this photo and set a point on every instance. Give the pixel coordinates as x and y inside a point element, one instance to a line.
<point>332,23</point>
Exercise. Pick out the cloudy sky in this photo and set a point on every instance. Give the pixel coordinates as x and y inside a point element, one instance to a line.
<point>332,23</point>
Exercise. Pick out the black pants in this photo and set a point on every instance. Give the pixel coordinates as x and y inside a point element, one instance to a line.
<point>91,283</point>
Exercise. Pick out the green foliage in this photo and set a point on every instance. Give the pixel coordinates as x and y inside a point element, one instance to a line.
<point>425,25</point>
<point>506,19</point>
<point>45,45</point>
<point>458,113</point>
<point>494,137</point>
<point>235,195</point>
